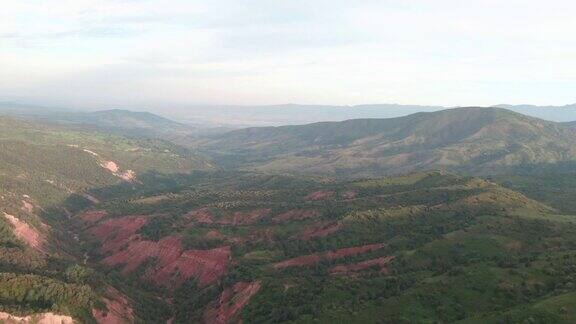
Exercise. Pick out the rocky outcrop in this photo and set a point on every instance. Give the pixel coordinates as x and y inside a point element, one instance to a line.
<point>27,207</point>
<point>111,166</point>
<point>127,175</point>
<point>42,318</point>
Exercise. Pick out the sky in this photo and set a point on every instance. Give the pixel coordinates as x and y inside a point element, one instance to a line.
<point>127,53</point>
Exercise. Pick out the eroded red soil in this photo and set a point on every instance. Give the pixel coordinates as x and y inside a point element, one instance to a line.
<point>115,232</point>
<point>93,216</point>
<point>206,266</point>
<point>317,230</point>
<point>202,215</point>
<point>170,265</point>
<point>205,216</point>
<point>311,259</point>
<point>295,214</point>
<point>250,217</point>
<point>118,309</point>
<point>164,252</point>
<point>350,194</point>
<point>27,233</point>
<point>231,302</point>
<point>320,195</point>
<point>381,263</point>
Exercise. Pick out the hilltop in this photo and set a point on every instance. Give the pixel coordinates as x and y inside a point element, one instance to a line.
<point>115,121</point>
<point>470,140</point>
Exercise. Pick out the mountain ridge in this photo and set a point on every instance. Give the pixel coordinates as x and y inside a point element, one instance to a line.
<point>452,138</point>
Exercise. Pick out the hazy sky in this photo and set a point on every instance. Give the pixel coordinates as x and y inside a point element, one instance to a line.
<point>135,52</point>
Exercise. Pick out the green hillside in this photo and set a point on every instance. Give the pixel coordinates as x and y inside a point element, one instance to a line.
<point>556,189</point>
<point>45,175</point>
<point>469,140</point>
<point>419,248</point>
<point>115,121</point>
<point>37,159</point>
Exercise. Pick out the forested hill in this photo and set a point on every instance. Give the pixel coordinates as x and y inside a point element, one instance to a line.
<point>116,121</point>
<point>427,247</point>
<point>470,140</point>
<point>45,174</point>
<point>36,155</point>
<point>108,229</point>
<point>570,124</point>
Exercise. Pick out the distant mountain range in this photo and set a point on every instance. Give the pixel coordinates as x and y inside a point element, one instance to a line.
<point>96,227</point>
<point>216,119</point>
<point>470,140</point>
<point>117,121</point>
<point>294,114</point>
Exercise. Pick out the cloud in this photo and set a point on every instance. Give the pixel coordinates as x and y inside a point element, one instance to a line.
<point>101,52</point>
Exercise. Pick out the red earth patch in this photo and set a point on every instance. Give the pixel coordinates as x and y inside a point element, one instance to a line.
<point>202,215</point>
<point>164,252</point>
<point>93,216</point>
<point>321,229</point>
<point>171,264</point>
<point>118,309</point>
<point>115,232</point>
<point>205,216</point>
<point>350,194</point>
<point>206,266</point>
<point>320,195</point>
<point>27,233</point>
<point>231,302</point>
<point>215,235</point>
<point>311,259</point>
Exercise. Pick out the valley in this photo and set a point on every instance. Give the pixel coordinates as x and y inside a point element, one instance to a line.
<point>449,217</point>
